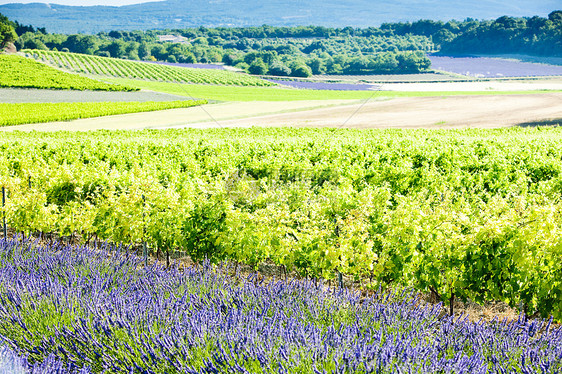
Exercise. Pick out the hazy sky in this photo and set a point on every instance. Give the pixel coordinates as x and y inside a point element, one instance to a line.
<point>79,2</point>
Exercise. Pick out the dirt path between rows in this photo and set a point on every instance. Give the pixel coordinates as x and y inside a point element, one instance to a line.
<point>417,112</point>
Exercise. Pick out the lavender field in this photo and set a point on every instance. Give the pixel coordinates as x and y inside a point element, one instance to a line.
<point>192,66</point>
<point>326,85</point>
<point>486,67</point>
<point>76,310</point>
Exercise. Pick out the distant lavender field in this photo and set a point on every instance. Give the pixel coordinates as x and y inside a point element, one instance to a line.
<point>326,85</point>
<point>193,66</point>
<point>486,67</point>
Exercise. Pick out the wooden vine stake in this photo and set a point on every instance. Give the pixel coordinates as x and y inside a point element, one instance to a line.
<point>340,276</point>
<point>144,246</point>
<point>5,227</point>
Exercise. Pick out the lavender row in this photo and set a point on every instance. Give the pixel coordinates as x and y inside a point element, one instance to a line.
<point>486,67</point>
<point>186,65</point>
<point>326,85</point>
<point>84,310</point>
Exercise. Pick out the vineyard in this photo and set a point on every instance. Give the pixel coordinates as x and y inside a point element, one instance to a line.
<point>22,113</point>
<point>473,214</point>
<point>113,67</point>
<point>17,71</point>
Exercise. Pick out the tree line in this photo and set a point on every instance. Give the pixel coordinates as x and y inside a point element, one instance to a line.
<point>392,48</point>
<point>536,35</point>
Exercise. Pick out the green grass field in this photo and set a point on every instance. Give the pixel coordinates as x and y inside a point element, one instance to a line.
<point>22,72</point>
<point>18,114</point>
<point>233,93</point>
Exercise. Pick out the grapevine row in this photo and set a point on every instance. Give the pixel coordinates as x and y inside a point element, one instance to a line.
<point>464,214</point>
<point>113,67</point>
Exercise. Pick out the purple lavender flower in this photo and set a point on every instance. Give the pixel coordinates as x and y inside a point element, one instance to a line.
<point>325,85</point>
<point>79,309</point>
<point>486,67</point>
<point>186,65</point>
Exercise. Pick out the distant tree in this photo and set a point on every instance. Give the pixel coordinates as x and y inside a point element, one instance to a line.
<point>22,29</point>
<point>258,67</point>
<point>266,56</point>
<point>132,50</point>
<point>116,34</point>
<point>505,22</point>
<point>229,58</point>
<point>200,40</point>
<point>335,68</point>
<point>117,49</point>
<point>159,52</point>
<point>35,44</point>
<point>7,31</point>
<point>386,63</point>
<point>188,58</point>
<point>144,51</point>
<point>443,36</point>
<point>4,19</point>
<point>242,66</point>
<point>412,62</point>
<point>317,66</point>
<point>279,69</point>
<point>103,54</point>
<point>86,44</point>
<point>358,65</point>
<point>556,17</point>
<point>535,24</point>
<point>301,70</point>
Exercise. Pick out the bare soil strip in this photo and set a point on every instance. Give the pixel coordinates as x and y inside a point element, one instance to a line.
<point>416,112</point>
<point>421,112</point>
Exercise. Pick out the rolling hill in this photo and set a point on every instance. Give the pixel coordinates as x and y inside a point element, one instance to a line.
<point>213,13</point>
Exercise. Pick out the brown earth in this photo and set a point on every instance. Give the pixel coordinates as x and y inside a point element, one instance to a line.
<point>422,112</point>
<point>182,117</point>
<point>485,111</point>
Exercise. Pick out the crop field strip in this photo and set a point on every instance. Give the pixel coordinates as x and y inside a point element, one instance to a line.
<point>472,214</point>
<point>486,67</point>
<point>238,93</point>
<point>112,67</point>
<point>17,71</point>
<point>24,113</point>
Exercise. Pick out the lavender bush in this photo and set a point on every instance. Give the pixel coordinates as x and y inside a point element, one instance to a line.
<point>77,308</point>
<point>486,67</point>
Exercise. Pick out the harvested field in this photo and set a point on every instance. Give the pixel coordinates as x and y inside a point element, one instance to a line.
<point>427,112</point>
<point>409,112</point>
